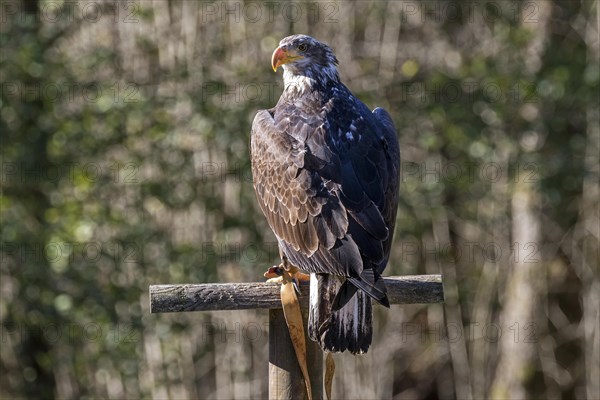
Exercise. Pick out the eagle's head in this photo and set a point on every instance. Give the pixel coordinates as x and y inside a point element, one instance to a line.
<point>304,58</point>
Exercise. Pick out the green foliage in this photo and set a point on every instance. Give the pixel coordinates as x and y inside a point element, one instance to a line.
<point>125,163</point>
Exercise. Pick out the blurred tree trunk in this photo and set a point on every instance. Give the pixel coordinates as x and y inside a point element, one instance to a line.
<point>522,290</point>
<point>516,348</point>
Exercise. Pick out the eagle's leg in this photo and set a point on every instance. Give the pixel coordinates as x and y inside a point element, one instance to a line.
<point>295,275</point>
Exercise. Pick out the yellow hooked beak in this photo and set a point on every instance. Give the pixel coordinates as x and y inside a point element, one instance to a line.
<point>283,56</point>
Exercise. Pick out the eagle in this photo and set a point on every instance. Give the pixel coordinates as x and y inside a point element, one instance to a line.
<point>325,171</point>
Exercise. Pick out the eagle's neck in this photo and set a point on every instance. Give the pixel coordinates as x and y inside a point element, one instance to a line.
<point>299,82</point>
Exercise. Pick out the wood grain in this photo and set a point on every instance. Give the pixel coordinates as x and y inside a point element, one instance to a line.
<point>409,289</point>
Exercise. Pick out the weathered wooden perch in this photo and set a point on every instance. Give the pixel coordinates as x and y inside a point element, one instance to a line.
<point>285,377</point>
<point>410,289</point>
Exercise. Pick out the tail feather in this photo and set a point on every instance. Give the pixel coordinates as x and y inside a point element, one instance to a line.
<point>373,285</point>
<point>348,328</point>
<point>344,295</point>
<point>369,282</point>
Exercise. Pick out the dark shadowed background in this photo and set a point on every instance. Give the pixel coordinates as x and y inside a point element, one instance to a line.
<point>125,130</point>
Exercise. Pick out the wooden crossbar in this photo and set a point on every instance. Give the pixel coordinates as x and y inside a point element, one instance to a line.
<point>409,289</point>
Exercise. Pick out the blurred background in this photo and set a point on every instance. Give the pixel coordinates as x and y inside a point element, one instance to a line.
<point>125,130</point>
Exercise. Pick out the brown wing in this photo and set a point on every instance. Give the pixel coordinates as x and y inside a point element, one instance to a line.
<point>298,209</point>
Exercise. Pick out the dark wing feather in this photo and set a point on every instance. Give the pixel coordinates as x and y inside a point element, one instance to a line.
<point>289,195</point>
<point>391,175</point>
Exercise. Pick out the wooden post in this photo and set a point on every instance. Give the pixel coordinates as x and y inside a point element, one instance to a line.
<point>285,379</point>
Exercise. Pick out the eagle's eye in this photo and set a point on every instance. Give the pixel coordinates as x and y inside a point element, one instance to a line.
<point>303,47</point>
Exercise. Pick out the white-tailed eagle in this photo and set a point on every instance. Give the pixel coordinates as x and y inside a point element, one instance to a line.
<point>326,174</point>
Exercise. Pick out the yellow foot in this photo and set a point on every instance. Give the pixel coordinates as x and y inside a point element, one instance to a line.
<point>281,273</point>
<point>274,274</point>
